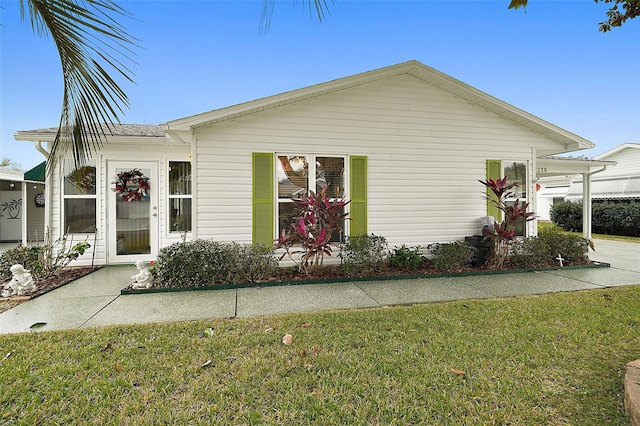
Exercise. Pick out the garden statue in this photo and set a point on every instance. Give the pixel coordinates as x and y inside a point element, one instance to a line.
<point>21,283</point>
<point>144,277</point>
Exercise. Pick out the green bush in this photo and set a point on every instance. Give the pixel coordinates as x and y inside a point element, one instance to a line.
<point>406,258</point>
<point>363,253</point>
<point>451,257</point>
<point>613,218</point>
<point>567,215</point>
<point>205,262</point>
<point>616,218</point>
<point>25,256</point>
<point>541,251</point>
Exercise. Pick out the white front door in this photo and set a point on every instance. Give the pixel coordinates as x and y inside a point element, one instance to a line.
<point>132,211</point>
<point>11,215</point>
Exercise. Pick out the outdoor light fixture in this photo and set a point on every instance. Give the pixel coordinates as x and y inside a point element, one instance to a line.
<point>12,185</point>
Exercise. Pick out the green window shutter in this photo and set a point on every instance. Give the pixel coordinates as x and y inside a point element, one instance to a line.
<point>494,171</point>
<point>262,205</point>
<point>358,193</point>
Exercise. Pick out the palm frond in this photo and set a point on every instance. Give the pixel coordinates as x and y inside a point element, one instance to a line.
<point>91,44</point>
<point>320,7</point>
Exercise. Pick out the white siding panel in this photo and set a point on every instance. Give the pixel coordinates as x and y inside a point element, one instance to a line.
<point>628,163</point>
<point>426,150</point>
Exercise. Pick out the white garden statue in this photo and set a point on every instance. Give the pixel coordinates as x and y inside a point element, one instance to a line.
<point>21,283</point>
<point>144,277</point>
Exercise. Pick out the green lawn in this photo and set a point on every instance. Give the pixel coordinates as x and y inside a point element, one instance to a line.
<point>539,360</point>
<point>551,225</point>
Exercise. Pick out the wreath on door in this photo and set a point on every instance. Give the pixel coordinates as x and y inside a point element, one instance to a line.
<point>131,185</point>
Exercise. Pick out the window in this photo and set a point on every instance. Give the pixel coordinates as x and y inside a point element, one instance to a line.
<point>296,175</point>
<point>79,194</point>
<point>179,196</point>
<point>516,172</point>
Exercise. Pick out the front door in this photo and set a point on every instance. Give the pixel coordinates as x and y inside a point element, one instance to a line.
<point>132,211</point>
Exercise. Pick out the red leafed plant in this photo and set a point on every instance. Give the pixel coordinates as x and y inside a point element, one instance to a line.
<point>503,233</point>
<point>310,234</point>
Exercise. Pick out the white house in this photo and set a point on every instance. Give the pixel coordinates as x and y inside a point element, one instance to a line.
<point>405,143</point>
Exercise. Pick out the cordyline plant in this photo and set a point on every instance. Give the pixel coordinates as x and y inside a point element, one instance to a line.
<point>310,234</point>
<point>503,233</point>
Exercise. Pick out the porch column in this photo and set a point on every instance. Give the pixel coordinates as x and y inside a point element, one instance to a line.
<point>25,213</point>
<point>586,205</point>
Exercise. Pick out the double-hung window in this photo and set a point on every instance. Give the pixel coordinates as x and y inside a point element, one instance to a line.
<point>298,174</point>
<point>180,196</point>
<point>79,198</point>
<point>516,172</point>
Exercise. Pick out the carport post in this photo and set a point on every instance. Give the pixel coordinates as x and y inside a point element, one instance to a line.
<point>586,205</point>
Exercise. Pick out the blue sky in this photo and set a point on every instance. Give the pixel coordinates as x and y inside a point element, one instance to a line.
<point>197,56</point>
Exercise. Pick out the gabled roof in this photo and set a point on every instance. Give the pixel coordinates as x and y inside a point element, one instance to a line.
<point>617,149</point>
<point>570,141</point>
<point>37,174</point>
<point>127,130</point>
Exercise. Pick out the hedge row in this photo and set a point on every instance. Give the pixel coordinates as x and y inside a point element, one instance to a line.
<point>607,217</point>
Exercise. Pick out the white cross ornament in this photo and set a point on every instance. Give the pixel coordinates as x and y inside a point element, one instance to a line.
<point>560,259</point>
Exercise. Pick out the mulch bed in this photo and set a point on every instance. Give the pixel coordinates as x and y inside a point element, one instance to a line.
<point>291,275</point>
<point>65,276</point>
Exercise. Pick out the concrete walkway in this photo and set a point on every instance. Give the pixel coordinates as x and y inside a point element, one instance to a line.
<point>95,299</point>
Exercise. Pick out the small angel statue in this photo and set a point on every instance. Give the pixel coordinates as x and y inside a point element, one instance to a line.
<point>144,278</point>
<point>21,283</point>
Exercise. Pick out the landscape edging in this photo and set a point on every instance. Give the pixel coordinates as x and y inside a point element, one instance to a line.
<point>124,291</point>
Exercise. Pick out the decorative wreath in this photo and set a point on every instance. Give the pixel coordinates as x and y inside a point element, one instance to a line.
<point>131,185</point>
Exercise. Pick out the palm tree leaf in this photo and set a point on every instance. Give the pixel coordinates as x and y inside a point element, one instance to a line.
<point>320,7</point>
<point>91,44</point>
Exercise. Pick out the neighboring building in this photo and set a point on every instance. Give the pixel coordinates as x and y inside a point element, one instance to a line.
<point>615,182</point>
<point>10,205</point>
<point>406,144</point>
<point>22,205</point>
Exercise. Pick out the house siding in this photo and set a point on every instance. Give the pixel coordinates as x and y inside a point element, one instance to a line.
<point>425,148</point>
<point>627,163</point>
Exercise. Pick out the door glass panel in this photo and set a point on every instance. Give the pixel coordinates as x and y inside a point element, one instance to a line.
<point>133,220</point>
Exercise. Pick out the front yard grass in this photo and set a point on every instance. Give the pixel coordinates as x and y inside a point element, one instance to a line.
<point>538,360</point>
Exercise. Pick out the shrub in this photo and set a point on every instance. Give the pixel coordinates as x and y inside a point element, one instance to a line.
<point>406,258</point>
<point>567,215</point>
<point>42,260</point>
<point>363,253</point>
<point>515,213</point>
<point>613,218</point>
<point>541,251</point>
<point>25,256</point>
<point>452,256</point>
<point>206,262</point>
<point>616,218</point>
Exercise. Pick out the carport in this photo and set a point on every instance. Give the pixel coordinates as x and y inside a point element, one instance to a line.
<point>559,166</point>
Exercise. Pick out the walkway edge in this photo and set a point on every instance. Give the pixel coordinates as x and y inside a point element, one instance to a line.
<point>632,392</point>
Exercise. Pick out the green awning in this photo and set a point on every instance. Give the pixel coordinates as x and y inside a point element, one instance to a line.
<point>37,174</point>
